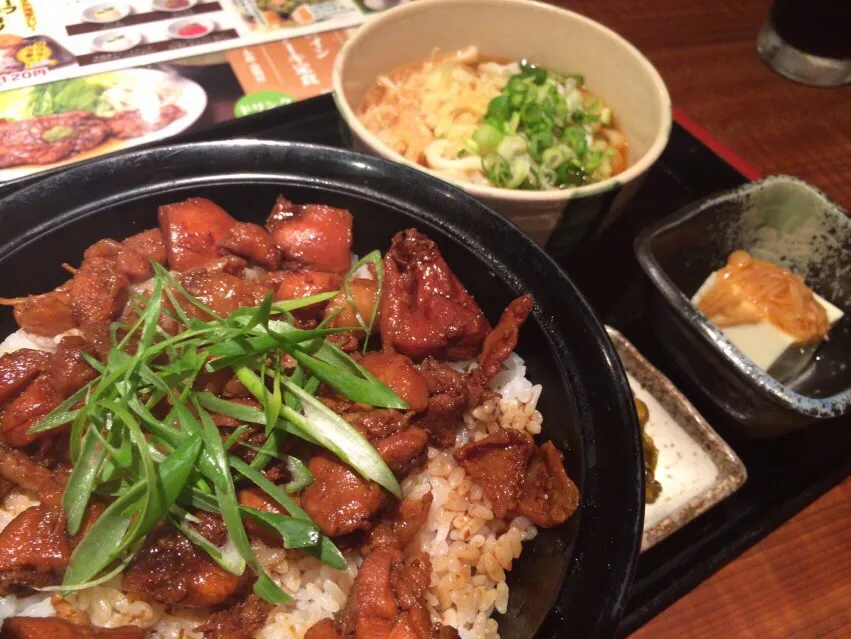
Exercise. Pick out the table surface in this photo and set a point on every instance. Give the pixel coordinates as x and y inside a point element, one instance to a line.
<point>794,582</point>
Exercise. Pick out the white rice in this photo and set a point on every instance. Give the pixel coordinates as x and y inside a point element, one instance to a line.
<point>471,551</point>
<point>21,339</point>
<point>33,606</point>
<point>363,272</point>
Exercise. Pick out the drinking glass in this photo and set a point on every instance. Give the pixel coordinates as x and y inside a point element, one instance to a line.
<point>808,41</point>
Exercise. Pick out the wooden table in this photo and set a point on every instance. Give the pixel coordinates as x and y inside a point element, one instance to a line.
<point>797,581</point>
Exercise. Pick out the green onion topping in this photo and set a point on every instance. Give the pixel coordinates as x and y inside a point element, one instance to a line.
<point>155,469</point>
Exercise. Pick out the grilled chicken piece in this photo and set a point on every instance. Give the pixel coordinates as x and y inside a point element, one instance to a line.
<point>222,292</point>
<point>237,622</point>
<point>373,423</point>
<point>252,242</point>
<point>258,500</point>
<point>53,628</point>
<point>501,341</point>
<point>134,255</point>
<point>68,371</point>
<point>549,496</point>
<point>425,310</point>
<point>388,596</point>
<point>300,283</point>
<point>27,409</point>
<point>63,374</point>
<point>47,315</point>
<point>99,292</point>
<point>98,338</point>
<point>191,230</point>
<point>372,609</point>
<point>498,464</point>
<point>18,369</point>
<point>399,526</point>
<point>387,600</point>
<point>339,500</point>
<point>170,570</point>
<point>18,468</point>
<point>34,549</point>
<point>402,451</point>
<point>364,295</point>
<point>324,629</point>
<point>106,248</point>
<point>399,373</point>
<point>315,236</point>
<point>450,393</point>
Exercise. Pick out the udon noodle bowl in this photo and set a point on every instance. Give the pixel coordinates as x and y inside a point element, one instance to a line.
<point>470,118</point>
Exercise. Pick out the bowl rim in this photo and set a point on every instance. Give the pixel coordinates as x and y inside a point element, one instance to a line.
<point>698,323</point>
<point>632,172</point>
<point>611,539</point>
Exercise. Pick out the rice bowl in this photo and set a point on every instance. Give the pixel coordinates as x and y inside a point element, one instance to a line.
<point>547,561</point>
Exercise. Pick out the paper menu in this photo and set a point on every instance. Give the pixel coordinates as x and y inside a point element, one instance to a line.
<point>105,33</point>
<point>46,40</point>
<point>149,104</point>
<point>285,71</point>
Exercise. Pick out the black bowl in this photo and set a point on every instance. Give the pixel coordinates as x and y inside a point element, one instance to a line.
<point>570,579</point>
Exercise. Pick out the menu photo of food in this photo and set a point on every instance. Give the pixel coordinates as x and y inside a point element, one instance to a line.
<point>107,32</point>
<point>31,54</point>
<point>66,121</point>
<point>266,15</point>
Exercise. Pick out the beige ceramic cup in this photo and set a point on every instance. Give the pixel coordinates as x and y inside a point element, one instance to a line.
<point>518,29</point>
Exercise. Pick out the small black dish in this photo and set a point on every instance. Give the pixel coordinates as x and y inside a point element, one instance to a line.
<point>788,222</point>
<point>570,579</point>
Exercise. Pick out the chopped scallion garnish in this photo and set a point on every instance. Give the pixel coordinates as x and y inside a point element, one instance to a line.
<point>538,133</point>
<point>153,468</point>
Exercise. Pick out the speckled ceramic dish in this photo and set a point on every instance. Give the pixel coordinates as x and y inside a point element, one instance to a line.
<point>785,221</point>
<point>696,468</point>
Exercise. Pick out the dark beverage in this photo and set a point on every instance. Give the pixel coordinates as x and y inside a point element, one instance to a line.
<point>808,41</point>
<point>816,27</point>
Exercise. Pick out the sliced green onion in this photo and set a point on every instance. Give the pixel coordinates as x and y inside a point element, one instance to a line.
<point>123,450</point>
<point>358,389</point>
<point>107,576</point>
<point>496,169</point>
<point>295,533</point>
<point>341,438</point>
<point>229,560</point>
<point>264,587</point>
<point>375,259</point>
<point>487,139</point>
<point>538,112</point>
<point>81,482</point>
<point>326,551</point>
<point>105,540</point>
<point>62,414</point>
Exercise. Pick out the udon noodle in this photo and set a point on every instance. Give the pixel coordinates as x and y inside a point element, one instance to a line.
<point>480,120</point>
